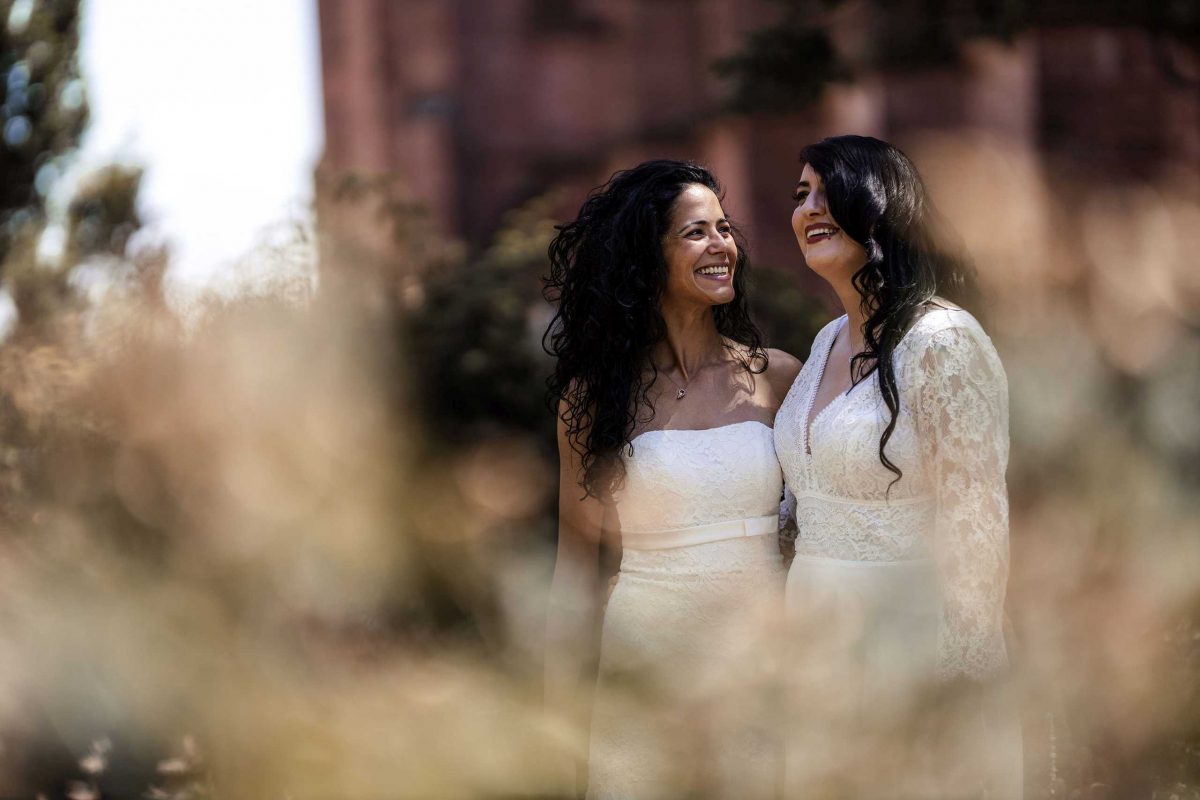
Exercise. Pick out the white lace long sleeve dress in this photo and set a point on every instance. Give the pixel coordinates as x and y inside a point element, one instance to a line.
<point>681,707</point>
<point>897,588</point>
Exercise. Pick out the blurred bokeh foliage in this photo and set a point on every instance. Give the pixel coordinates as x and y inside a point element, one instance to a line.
<point>43,106</point>
<point>476,336</point>
<point>296,541</point>
<point>789,313</point>
<point>103,213</point>
<point>301,542</point>
<point>785,66</point>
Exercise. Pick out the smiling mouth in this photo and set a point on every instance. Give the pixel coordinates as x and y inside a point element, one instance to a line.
<point>819,233</point>
<point>714,271</point>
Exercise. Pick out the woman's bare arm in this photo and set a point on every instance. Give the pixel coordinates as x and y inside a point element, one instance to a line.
<point>575,593</point>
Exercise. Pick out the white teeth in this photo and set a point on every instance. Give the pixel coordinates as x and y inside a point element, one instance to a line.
<point>713,271</point>
<point>821,232</point>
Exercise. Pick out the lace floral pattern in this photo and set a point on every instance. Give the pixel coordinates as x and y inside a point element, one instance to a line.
<point>681,478</point>
<point>951,441</point>
<point>963,409</point>
<point>857,522</point>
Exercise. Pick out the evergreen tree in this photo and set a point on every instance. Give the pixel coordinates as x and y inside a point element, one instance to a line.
<point>785,66</point>
<point>43,108</point>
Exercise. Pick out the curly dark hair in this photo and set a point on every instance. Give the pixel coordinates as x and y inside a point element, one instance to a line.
<point>876,196</point>
<point>607,275</point>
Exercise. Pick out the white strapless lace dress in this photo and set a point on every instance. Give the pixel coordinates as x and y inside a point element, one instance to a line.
<point>682,707</point>
<point>897,588</point>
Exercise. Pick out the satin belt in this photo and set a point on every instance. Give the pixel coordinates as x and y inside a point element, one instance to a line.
<point>700,534</point>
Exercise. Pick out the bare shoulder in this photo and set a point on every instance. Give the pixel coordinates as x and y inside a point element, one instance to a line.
<point>782,369</point>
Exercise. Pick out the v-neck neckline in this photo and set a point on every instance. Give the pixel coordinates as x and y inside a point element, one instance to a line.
<point>809,416</point>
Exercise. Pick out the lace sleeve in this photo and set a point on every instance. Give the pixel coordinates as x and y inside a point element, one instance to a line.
<point>963,416</point>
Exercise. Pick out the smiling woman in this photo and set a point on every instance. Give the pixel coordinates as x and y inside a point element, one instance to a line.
<point>632,305</point>
<point>894,443</point>
<point>825,248</point>
<point>650,282</point>
<point>700,253</point>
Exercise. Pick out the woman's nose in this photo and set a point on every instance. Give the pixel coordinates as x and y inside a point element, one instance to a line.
<point>814,204</point>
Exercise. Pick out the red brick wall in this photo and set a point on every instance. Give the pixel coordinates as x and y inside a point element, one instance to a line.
<point>478,106</point>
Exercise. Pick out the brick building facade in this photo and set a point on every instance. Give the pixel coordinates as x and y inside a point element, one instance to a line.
<point>479,105</point>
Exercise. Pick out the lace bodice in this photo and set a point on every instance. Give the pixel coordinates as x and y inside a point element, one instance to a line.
<point>950,440</point>
<point>683,478</point>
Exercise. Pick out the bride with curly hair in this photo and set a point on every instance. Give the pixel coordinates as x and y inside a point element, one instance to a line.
<point>665,397</point>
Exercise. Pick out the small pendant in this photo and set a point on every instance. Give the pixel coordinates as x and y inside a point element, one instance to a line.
<point>680,394</point>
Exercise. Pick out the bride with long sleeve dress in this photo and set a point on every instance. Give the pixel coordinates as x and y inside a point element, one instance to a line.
<point>896,591</point>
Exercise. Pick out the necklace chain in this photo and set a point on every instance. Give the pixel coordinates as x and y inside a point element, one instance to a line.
<point>681,390</point>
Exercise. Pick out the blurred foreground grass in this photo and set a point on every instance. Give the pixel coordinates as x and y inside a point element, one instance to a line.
<point>298,547</point>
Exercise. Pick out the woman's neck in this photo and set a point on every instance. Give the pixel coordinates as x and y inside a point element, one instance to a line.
<point>851,302</point>
<point>692,341</point>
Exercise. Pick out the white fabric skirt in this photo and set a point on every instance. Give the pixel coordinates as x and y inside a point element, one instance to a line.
<point>686,701</point>
<point>866,717</point>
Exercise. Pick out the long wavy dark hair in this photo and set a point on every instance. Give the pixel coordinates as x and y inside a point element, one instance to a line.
<point>607,276</point>
<point>877,197</point>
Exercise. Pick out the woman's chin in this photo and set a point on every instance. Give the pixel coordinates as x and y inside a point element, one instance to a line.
<point>717,295</point>
<point>829,269</point>
<point>693,298</point>
<point>723,297</point>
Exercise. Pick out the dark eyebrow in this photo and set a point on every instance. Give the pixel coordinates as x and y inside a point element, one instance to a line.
<point>701,222</point>
<point>802,183</point>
